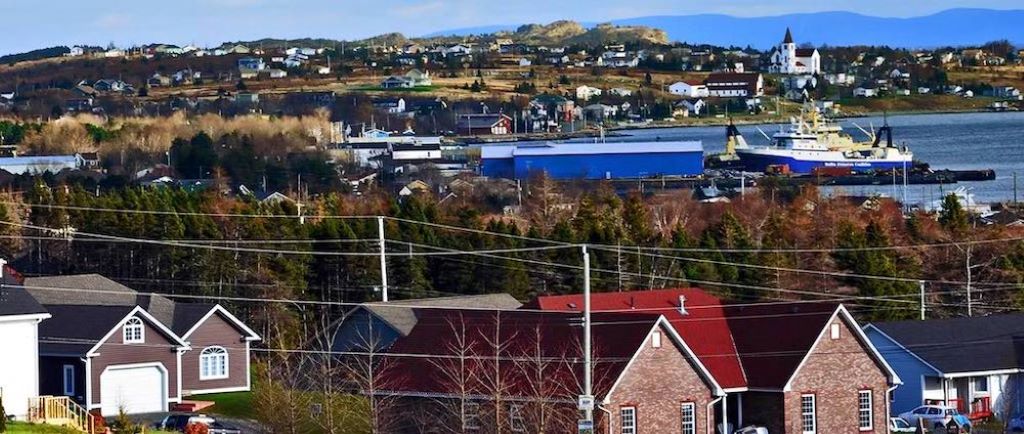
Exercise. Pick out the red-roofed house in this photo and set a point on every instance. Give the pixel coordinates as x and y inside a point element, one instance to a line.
<point>793,367</point>
<point>522,371</point>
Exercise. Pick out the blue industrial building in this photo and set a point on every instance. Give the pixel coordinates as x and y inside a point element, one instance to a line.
<point>593,160</point>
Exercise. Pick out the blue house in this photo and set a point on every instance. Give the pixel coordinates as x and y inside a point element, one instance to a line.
<point>973,364</point>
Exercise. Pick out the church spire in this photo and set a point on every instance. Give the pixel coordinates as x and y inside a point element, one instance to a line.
<point>789,37</point>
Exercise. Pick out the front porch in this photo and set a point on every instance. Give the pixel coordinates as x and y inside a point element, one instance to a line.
<point>60,411</point>
<point>979,397</point>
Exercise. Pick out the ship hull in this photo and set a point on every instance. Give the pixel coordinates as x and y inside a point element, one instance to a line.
<point>806,162</point>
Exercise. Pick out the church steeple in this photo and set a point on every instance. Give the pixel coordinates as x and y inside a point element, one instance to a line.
<point>789,37</point>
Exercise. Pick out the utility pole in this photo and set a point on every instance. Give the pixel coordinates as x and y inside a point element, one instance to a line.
<point>383,260</point>
<point>922,299</point>
<point>588,387</point>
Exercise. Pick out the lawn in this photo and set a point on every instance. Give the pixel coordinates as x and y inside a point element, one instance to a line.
<point>231,404</point>
<point>27,428</point>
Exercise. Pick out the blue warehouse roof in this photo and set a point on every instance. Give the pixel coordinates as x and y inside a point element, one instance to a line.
<point>552,149</point>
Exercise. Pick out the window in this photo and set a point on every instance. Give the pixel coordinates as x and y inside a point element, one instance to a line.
<point>865,412</point>
<point>688,416</point>
<point>471,420</point>
<point>628,416</point>
<point>933,410</point>
<point>515,418</point>
<point>213,363</point>
<point>134,332</point>
<point>69,380</point>
<point>835,331</point>
<point>808,414</point>
<point>980,384</point>
<point>656,339</point>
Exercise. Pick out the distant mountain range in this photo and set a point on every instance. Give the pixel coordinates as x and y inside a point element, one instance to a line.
<point>952,27</point>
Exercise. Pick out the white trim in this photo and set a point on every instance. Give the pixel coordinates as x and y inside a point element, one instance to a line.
<point>222,352</point>
<point>662,322</point>
<point>128,331</point>
<point>982,373</point>
<point>159,365</point>
<point>622,420</point>
<point>88,383</point>
<point>898,344</point>
<point>220,390</point>
<point>871,410</point>
<point>252,336</point>
<point>138,310</point>
<point>30,316</point>
<point>180,353</point>
<point>814,413</point>
<point>248,367</point>
<point>693,416</point>
<point>858,333</point>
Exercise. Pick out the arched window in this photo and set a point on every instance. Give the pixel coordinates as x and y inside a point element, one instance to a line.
<point>134,332</point>
<point>213,363</point>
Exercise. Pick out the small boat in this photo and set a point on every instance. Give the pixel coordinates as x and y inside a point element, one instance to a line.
<point>805,146</point>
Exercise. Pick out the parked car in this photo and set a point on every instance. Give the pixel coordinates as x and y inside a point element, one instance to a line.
<point>178,422</point>
<point>936,416</point>
<point>898,424</point>
<point>752,430</point>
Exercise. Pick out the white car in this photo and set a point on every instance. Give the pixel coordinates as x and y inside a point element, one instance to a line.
<point>897,424</point>
<point>936,416</point>
<point>753,430</point>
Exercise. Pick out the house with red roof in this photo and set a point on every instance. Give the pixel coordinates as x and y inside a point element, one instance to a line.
<point>791,367</point>
<point>522,371</point>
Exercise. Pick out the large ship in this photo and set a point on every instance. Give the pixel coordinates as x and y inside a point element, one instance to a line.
<point>810,144</point>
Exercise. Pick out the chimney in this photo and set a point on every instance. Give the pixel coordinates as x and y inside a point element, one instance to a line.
<point>682,305</point>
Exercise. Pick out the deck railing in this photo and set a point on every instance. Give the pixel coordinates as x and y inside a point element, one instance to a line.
<point>60,410</point>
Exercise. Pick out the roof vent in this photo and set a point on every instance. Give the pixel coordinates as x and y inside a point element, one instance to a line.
<point>682,305</point>
<point>572,305</point>
<point>632,303</point>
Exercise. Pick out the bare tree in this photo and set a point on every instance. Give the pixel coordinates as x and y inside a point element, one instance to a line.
<point>458,372</point>
<point>371,372</point>
<point>332,410</point>
<point>494,379</point>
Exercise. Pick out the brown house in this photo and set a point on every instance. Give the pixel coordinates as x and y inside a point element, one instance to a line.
<point>110,348</point>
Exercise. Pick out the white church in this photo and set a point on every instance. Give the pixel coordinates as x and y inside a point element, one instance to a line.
<point>787,59</point>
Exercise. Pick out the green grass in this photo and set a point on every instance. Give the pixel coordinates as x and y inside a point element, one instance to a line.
<point>27,428</point>
<point>231,404</point>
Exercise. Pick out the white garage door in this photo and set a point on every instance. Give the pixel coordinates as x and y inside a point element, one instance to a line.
<point>139,389</point>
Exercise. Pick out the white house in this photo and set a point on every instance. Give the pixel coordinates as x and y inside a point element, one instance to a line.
<point>620,91</point>
<point>788,59</point>
<point>585,92</point>
<point>694,106</point>
<point>75,52</point>
<point>688,90</point>
<point>865,92</point>
<point>20,315</point>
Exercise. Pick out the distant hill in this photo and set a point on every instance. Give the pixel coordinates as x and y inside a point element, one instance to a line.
<point>952,27</point>
<point>563,32</point>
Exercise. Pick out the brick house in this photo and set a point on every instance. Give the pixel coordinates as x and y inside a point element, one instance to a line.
<point>109,347</point>
<point>448,373</point>
<point>772,360</point>
<point>810,369</point>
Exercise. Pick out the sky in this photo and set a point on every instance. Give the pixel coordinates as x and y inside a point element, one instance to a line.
<point>32,24</point>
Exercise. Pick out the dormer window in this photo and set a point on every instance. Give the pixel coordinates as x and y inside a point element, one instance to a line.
<point>134,332</point>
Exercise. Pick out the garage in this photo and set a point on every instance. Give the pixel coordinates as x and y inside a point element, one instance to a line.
<point>136,388</point>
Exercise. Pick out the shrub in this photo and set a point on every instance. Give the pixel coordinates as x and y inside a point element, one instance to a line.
<point>196,428</point>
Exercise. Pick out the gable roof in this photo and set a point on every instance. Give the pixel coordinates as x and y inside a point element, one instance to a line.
<point>704,328</point>
<point>805,52</point>
<point>773,339</point>
<point>97,290</point>
<point>79,330</point>
<point>993,342</point>
<point>617,338</point>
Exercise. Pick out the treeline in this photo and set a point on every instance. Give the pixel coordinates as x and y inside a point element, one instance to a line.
<point>238,247</point>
